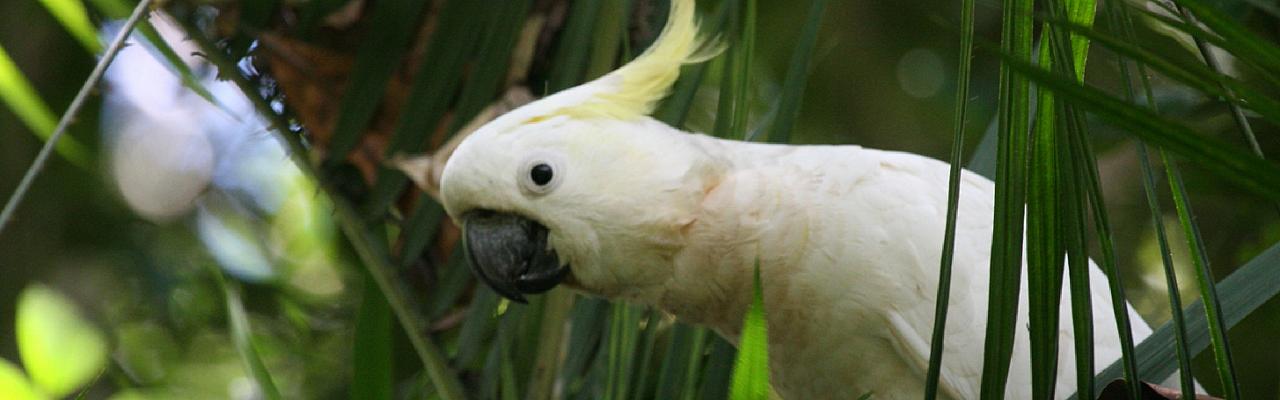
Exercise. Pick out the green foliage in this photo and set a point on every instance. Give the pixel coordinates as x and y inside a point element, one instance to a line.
<point>1196,76</point>
<point>375,63</point>
<point>751,370</point>
<point>1153,127</point>
<point>797,75</point>
<point>1224,160</point>
<point>1205,281</point>
<point>1148,126</point>
<point>21,98</point>
<point>14,385</point>
<point>373,363</point>
<point>1178,323</point>
<point>1057,201</point>
<point>622,340</point>
<point>1006,244</point>
<point>675,109</point>
<point>59,348</point>
<point>502,350</point>
<point>571,57</point>
<point>1248,45</point>
<point>75,19</point>
<point>429,96</point>
<point>1179,139</point>
<point>1243,292</point>
<point>242,338</point>
<point>937,338</point>
<point>738,68</point>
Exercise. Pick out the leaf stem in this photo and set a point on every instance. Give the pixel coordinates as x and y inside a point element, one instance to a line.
<point>1204,277</point>
<point>1010,198</point>
<point>1214,65</point>
<point>1121,21</point>
<point>69,116</point>
<point>953,202</point>
<point>1237,113</point>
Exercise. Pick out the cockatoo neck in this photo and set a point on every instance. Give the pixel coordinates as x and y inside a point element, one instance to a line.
<point>729,215</point>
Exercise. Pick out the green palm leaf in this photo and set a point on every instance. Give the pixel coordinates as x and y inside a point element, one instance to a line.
<point>21,98</point>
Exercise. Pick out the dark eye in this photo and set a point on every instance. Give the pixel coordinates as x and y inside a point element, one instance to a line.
<point>541,174</point>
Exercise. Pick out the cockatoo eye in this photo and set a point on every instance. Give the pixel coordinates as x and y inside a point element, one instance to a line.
<point>540,175</point>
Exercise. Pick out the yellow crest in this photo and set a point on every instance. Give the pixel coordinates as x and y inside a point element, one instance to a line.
<point>634,89</point>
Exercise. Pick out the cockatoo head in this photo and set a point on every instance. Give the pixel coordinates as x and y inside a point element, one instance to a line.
<point>583,186</point>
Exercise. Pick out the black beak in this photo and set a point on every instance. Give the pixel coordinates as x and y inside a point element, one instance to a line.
<point>510,254</point>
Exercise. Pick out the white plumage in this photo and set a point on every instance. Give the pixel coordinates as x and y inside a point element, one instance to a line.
<point>848,238</point>
<point>849,242</point>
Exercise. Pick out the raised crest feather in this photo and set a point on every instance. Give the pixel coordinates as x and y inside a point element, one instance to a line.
<point>635,89</point>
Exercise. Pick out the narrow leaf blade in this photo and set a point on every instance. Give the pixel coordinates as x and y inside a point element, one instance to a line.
<point>21,98</point>
<point>242,338</point>
<point>751,369</point>
<point>376,60</point>
<point>372,359</point>
<point>797,75</point>
<point>1252,285</point>
<point>1006,242</point>
<point>1247,171</point>
<point>73,17</point>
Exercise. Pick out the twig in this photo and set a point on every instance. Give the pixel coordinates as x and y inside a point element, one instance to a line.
<point>1211,61</point>
<point>1237,113</point>
<point>69,116</point>
<point>373,256</point>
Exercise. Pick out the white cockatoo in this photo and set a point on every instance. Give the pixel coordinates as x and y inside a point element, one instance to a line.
<point>584,188</point>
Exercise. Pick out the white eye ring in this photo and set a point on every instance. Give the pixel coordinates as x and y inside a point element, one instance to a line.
<point>540,174</point>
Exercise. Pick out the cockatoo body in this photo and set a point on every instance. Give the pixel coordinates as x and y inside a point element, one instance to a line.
<point>584,188</point>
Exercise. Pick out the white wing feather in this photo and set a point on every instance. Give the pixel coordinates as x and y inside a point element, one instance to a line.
<point>853,301</point>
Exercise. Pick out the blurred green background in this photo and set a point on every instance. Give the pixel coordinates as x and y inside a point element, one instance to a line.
<point>179,196</point>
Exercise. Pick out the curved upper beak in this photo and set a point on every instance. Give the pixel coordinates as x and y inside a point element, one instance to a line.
<point>510,254</point>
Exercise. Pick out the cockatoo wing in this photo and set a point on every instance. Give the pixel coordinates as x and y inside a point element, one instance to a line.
<point>874,226</point>
<point>911,325</point>
<point>857,233</point>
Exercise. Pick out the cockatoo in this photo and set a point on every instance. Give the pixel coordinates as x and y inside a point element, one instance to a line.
<point>584,189</point>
